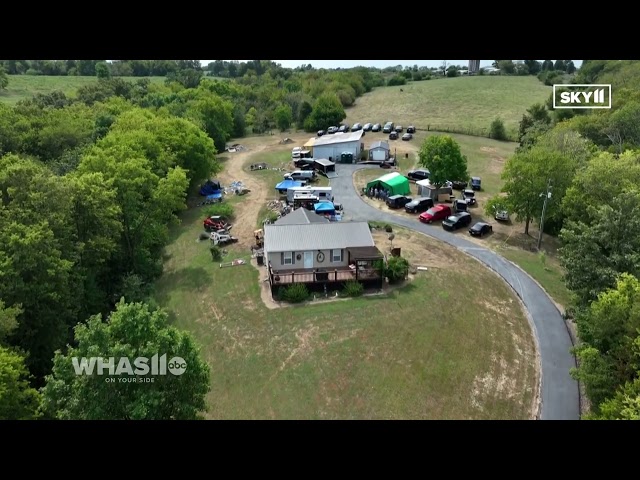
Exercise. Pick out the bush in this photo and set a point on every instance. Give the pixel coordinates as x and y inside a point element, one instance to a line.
<point>417,76</point>
<point>294,293</point>
<point>353,288</point>
<point>497,130</point>
<point>397,269</point>
<point>396,80</point>
<point>216,253</point>
<point>225,210</point>
<point>388,228</point>
<point>272,216</point>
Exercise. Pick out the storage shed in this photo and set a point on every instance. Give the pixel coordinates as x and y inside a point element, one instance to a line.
<point>332,146</point>
<point>425,189</point>
<point>394,183</point>
<point>379,151</point>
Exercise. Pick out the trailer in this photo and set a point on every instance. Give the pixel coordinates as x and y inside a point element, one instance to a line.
<point>323,193</point>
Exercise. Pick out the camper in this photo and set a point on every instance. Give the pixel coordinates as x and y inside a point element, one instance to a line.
<point>304,199</point>
<point>323,193</point>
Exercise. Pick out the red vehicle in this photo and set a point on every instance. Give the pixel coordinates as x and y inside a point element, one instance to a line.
<point>215,223</point>
<point>439,212</point>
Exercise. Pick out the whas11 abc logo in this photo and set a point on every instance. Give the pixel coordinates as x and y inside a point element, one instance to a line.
<point>582,96</point>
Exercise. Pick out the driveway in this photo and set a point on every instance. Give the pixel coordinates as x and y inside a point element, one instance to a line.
<point>560,398</point>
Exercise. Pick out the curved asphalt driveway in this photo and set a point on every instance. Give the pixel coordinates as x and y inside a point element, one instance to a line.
<point>560,398</point>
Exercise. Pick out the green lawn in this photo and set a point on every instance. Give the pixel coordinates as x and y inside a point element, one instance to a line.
<point>467,104</point>
<point>548,273</point>
<point>370,358</point>
<point>26,86</point>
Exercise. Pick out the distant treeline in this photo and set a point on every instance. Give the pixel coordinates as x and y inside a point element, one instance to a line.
<point>117,68</point>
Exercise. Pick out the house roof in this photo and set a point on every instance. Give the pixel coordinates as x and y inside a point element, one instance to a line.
<point>324,161</point>
<point>338,138</point>
<point>316,236</point>
<point>310,142</point>
<point>379,144</point>
<point>301,216</point>
<point>363,253</point>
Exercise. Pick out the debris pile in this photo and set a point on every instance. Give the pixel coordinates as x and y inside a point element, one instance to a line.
<point>285,140</point>
<point>236,147</point>
<point>234,186</point>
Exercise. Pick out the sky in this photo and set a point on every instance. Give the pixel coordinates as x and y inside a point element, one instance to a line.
<point>373,63</point>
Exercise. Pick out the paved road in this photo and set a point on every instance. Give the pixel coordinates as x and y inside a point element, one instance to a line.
<point>560,398</point>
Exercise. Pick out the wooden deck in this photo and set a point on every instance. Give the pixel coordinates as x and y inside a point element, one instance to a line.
<point>342,275</point>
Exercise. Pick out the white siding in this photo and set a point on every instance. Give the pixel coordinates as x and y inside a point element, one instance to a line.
<point>334,151</point>
<point>379,154</point>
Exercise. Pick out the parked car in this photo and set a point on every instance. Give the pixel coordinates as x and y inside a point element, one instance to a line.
<point>376,127</point>
<point>331,130</point>
<point>321,132</point>
<point>420,174</point>
<point>388,127</point>
<point>457,184</point>
<point>459,220</point>
<point>356,127</point>
<point>460,206</point>
<point>476,183</point>
<point>398,129</point>
<point>344,128</point>
<point>411,129</point>
<point>393,136</point>
<point>469,196</point>
<point>419,205</point>
<point>438,212</point>
<point>502,215</point>
<point>367,127</point>
<point>480,229</point>
<point>397,201</point>
<point>407,137</point>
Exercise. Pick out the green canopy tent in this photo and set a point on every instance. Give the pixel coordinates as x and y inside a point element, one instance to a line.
<point>394,183</point>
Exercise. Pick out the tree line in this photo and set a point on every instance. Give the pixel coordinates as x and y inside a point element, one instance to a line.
<point>592,159</point>
<point>90,185</point>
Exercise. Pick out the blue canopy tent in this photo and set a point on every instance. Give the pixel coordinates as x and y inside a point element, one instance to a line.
<point>285,185</point>
<point>210,187</point>
<point>323,208</point>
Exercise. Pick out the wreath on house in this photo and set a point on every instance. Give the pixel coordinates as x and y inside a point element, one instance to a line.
<point>320,257</point>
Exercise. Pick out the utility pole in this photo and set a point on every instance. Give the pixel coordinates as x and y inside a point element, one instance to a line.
<point>547,196</point>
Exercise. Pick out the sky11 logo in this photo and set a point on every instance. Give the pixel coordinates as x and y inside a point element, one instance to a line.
<point>592,96</point>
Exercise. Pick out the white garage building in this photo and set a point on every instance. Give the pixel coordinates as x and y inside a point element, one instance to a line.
<point>332,146</point>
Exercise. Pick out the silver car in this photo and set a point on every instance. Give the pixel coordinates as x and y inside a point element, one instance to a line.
<point>502,216</point>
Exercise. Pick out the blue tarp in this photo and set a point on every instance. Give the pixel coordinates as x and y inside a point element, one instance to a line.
<point>324,207</point>
<point>287,184</point>
<point>210,187</point>
<point>214,196</point>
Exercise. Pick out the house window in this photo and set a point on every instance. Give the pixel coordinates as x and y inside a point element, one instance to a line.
<point>288,258</point>
<point>336,255</point>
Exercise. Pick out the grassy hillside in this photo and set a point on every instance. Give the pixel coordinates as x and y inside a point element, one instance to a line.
<point>463,104</point>
<point>25,86</point>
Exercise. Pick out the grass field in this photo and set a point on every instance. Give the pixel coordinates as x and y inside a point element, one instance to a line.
<point>26,86</point>
<point>468,104</point>
<point>378,357</point>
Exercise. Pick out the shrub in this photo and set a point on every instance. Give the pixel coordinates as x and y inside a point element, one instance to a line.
<point>388,228</point>
<point>396,80</point>
<point>225,210</point>
<point>497,130</point>
<point>272,216</point>
<point>294,293</point>
<point>353,288</point>
<point>397,269</point>
<point>216,253</point>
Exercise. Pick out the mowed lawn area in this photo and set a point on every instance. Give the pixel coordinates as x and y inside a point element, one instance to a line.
<point>25,86</point>
<point>379,357</point>
<point>468,104</point>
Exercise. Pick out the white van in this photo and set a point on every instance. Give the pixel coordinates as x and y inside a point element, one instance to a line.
<point>306,175</point>
<point>323,193</point>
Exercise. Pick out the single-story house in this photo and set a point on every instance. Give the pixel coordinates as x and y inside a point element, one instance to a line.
<point>379,151</point>
<point>425,189</point>
<point>332,146</point>
<point>323,165</point>
<point>394,183</point>
<point>317,253</point>
<point>301,216</point>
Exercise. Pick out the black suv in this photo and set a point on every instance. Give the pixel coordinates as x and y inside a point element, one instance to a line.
<point>344,128</point>
<point>356,127</point>
<point>418,174</point>
<point>476,183</point>
<point>397,201</point>
<point>393,136</point>
<point>376,127</point>
<point>411,129</point>
<point>459,220</point>
<point>419,205</point>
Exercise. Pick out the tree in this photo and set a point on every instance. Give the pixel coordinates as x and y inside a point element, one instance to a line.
<point>594,254</point>
<point>4,79</point>
<point>547,65</point>
<point>497,130</point>
<point>559,66</point>
<point>303,113</point>
<point>133,330</point>
<point>441,155</point>
<point>284,117</point>
<point>533,66</point>
<point>570,66</point>
<point>507,67</point>
<point>625,405</point>
<point>18,399</point>
<point>102,70</point>
<point>623,127</point>
<point>327,111</point>
<point>188,77</point>
<point>610,344</point>
<point>8,320</point>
